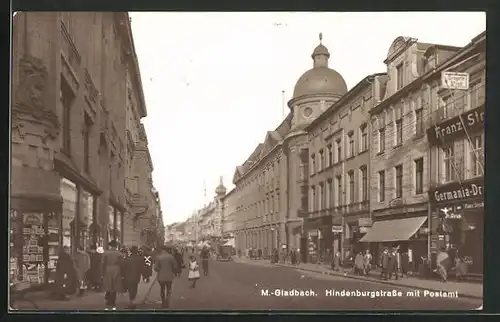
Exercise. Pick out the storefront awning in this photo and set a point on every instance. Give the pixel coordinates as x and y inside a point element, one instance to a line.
<point>393,230</point>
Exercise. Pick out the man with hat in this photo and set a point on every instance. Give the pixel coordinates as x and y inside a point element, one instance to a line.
<point>166,266</point>
<point>112,279</point>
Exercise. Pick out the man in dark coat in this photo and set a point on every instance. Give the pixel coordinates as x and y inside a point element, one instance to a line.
<point>65,283</point>
<point>94,273</point>
<point>404,264</point>
<point>384,262</point>
<point>393,264</point>
<point>179,260</point>
<point>205,255</point>
<point>147,268</point>
<point>112,277</point>
<point>131,271</point>
<point>165,265</point>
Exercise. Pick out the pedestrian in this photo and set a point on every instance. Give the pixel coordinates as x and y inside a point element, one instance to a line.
<point>94,273</point>
<point>393,264</point>
<point>204,260</point>
<point>165,266</point>
<point>112,278</point>
<point>194,273</point>
<point>337,260</point>
<point>359,264</point>
<point>147,269</point>
<point>442,261</point>
<point>131,271</point>
<point>179,261</point>
<point>82,265</point>
<point>384,263</point>
<point>405,263</point>
<point>367,258</point>
<point>65,281</point>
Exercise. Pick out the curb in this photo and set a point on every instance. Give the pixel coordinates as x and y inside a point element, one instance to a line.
<point>377,281</point>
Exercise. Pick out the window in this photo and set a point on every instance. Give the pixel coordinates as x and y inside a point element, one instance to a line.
<point>399,181</point>
<point>399,131</point>
<point>476,156</point>
<point>476,95</point>
<point>321,204</point>
<point>339,150</point>
<point>351,187</point>
<point>399,76</point>
<point>313,164</point>
<point>87,126</point>
<point>338,201</point>
<point>419,176</point>
<point>330,200</point>
<point>448,164</point>
<point>313,198</point>
<point>363,144</point>
<point>67,98</point>
<point>381,185</point>
<point>419,122</point>
<point>321,160</point>
<point>330,155</point>
<point>364,183</point>
<point>351,143</point>
<point>381,140</point>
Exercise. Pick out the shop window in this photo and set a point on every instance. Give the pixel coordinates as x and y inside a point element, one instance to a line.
<point>111,223</point>
<point>118,227</point>
<point>86,232</point>
<point>69,194</point>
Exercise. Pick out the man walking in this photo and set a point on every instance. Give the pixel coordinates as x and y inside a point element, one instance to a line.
<point>205,255</point>
<point>166,266</point>
<point>131,271</point>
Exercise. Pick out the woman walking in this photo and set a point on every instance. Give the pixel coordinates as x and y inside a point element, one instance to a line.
<point>111,264</point>
<point>131,271</point>
<point>194,272</point>
<point>82,265</point>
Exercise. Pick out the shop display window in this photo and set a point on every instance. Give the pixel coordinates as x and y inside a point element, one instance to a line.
<point>69,194</point>
<point>87,218</point>
<point>118,226</point>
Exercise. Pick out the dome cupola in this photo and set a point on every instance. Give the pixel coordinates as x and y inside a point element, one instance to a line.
<point>320,79</point>
<point>221,189</point>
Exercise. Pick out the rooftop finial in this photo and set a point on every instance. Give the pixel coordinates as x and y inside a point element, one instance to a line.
<point>320,37</point>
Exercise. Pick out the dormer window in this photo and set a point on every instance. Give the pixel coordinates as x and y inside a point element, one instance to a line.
<point>399,76</point>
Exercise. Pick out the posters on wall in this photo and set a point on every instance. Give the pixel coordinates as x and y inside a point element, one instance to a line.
<point>32,249</point>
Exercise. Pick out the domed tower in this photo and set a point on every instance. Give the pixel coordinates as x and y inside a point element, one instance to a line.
<point>316,89</point>
<point>221,190</point>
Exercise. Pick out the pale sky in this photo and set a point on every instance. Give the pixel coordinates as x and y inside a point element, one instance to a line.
<point>213,81</point>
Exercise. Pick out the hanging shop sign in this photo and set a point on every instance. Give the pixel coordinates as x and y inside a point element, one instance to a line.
<point>455,81</point>
<point>337,229</point>
<point>456,127</point>
<point>457,191</point>
<point>363,229</point>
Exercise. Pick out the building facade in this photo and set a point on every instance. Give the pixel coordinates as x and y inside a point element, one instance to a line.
<point>271,189</point>
<point>68,135</point>
<point>336,167</point>
<point>229,214</point>
<point>402,157</point>
<point>456,138</point>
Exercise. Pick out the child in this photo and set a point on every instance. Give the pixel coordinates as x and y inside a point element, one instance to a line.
<point>194,273</point>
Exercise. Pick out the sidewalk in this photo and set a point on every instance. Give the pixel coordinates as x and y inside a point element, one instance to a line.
<point>465,289</point>
<point>89,301</point>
